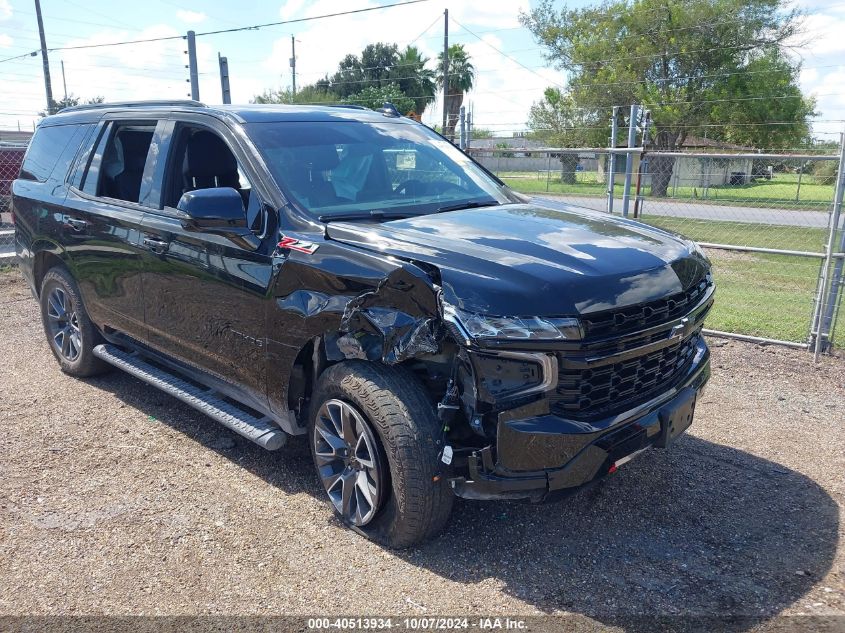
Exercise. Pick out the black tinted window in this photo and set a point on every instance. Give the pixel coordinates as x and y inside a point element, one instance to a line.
<point>117,169</point>
<point>48,146</point>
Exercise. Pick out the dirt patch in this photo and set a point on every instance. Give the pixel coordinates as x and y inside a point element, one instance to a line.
<point>115,498</point>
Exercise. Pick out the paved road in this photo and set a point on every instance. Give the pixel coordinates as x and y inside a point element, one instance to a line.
<point>674,208</point>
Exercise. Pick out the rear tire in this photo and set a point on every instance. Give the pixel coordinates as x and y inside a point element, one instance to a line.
<point>412,502</point>
<point>70,333</point>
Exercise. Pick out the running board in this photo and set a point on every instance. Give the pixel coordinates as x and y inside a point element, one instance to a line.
<point>262,431</point>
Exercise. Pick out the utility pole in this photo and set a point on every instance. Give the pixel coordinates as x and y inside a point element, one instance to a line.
<point>64,82</point>
<point>293,65</point>
<point>192,66</point>
<point>445,66</point>
<point>224,78</point>
<point>45,62</point>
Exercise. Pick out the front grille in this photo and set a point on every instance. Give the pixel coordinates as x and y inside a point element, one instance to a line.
<point>601,391</point>
<point>645,315</point>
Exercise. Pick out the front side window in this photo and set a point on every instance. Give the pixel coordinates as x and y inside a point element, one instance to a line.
<point>201,159</point>
<point>342,167</point>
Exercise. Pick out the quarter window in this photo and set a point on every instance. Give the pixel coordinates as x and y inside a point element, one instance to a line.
<point>52,149</point>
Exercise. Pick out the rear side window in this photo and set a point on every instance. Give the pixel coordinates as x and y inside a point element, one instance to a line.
<point>50,150</point>
<point>117,168</point>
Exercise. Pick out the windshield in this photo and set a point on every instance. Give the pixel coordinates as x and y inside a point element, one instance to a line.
<point>350,168</point>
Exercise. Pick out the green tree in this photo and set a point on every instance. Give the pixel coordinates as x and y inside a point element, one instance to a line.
<point>414,79</point>
<point>676,57</point>
<point>380,73</point>
<point>769,92</point>
<point>310,94</point>
<point>559,122</point>
<point>375,97</point>
<point>68,102</point>
<point>372,68</point>
<point>461,79</point>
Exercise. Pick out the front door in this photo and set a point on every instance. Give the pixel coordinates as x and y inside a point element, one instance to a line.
<point>205,298</point>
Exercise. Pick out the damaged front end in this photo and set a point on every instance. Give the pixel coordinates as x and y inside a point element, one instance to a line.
<point>531,408</point>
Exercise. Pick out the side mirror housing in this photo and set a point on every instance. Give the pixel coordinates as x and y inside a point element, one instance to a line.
<point>209,209</point>
<point>219,211</point>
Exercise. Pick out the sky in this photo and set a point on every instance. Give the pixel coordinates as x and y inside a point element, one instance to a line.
<point>511,70</point>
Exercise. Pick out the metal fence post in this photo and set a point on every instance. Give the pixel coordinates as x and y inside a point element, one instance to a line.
<point>548,169</point>
<point>829,296</point>
<point>462,143</point>
<point>611,170</point>
<point>629,166</point>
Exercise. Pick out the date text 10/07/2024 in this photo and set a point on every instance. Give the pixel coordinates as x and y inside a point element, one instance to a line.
<point>418,624</point>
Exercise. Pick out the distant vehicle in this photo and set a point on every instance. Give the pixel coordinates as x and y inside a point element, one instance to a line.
<point>350,275</point>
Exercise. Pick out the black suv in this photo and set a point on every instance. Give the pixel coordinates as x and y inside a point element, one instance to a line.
<point>350,275</point>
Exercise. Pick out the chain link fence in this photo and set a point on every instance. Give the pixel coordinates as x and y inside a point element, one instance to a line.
<point>11,157</point>
<point>771,224</point>
<point>768,222</point>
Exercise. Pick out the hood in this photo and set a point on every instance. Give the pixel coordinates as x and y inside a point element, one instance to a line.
<point>525,259</point>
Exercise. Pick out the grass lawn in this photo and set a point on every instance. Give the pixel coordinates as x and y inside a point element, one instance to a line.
<point>779,192</point>
<point>587,183</point>
<point>757,293</point>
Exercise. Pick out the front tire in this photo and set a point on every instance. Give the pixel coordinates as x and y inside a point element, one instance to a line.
<point>70,333</point>
<point>374,439</point>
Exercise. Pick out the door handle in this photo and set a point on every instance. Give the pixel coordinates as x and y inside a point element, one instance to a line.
<point>75,223</point>
<point>156,246</point>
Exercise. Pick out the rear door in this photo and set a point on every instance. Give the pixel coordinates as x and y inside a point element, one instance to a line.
<point>102,221</point>
<point>205,297</point>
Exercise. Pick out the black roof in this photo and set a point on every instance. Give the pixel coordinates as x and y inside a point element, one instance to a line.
<point>242,113</point>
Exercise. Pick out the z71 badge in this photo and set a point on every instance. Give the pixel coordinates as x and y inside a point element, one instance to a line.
<point>295,244</point>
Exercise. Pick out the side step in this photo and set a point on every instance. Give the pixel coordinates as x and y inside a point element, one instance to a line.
<point>262,431</point>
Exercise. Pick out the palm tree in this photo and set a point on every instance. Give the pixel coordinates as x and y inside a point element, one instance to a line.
<point>461,78</point>
<point>414,79</point>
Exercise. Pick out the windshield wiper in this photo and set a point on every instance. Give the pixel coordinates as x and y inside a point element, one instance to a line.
<point>364,215</point>
<point>470,204</point>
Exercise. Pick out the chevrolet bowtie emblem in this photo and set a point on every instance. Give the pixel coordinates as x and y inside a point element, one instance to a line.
<point>680,330</point>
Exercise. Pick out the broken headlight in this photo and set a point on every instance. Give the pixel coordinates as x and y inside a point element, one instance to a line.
<point>481,326</point>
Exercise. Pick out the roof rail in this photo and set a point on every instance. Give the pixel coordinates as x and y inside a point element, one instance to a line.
<point>189,103</point>
<point>348,106</point>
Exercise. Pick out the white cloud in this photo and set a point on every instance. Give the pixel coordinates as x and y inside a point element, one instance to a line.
<point>191,17</point>
<point>5,41</point>
<point>291,8</point>
<point>5,10</point>
<point>823,34</point>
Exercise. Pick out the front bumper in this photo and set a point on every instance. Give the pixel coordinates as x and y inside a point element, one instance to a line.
<point>539,457</point>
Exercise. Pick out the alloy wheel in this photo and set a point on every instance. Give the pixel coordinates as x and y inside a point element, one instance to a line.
<point>63,322</point>
<point>348,461</point>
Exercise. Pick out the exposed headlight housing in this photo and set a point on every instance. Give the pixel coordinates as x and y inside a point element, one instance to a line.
<point>481,326</point>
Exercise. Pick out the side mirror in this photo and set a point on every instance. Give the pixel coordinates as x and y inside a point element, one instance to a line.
<point>219,211</point>
<point>210,209</point>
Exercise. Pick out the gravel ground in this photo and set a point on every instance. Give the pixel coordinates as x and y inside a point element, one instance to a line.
<point>117,499</point>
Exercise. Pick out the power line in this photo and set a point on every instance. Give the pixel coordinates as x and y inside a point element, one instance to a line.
<point>503,54</point>
<point>253,27</point>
